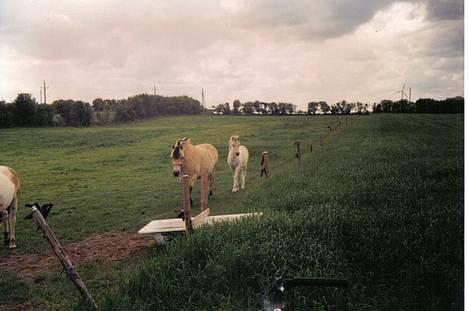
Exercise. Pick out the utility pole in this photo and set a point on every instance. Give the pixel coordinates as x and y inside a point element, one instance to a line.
<point>410,95</point>
<point>45,96</point>
<point>154,89</point>
<point>203,99</point>
<point>40,100</point>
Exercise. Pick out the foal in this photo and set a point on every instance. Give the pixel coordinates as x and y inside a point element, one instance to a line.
<point>237,160</point>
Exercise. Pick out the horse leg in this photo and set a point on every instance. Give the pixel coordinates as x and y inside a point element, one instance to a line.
<point>211,179</point>
<point>5,224</point>
<point>12,222</point>
<point>191,201</point>
<point>233,179</point>
<point>243,172</point>
<point>235,186</point>
<point>192,182</point>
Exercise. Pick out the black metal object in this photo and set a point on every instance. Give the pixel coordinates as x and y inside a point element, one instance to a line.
<point>44,209</point>
<point>180,213</point>
<point>263,170</point>
<point>275,298</point>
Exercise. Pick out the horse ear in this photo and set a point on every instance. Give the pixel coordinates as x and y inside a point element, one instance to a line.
<point>185,141</point>
<point>173,146</point>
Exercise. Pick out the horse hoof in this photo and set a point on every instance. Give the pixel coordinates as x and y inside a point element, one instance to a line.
<point>12,245</point>
<point>235,190</point>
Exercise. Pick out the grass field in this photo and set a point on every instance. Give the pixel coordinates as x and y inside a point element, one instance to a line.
<point>381,204</point>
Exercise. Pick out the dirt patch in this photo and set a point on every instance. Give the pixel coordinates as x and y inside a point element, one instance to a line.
<point>27,306</point>
<point>111,246</point>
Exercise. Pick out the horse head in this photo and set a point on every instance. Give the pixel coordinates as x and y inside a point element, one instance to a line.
<point>234,143</point>
<point>177,155</point>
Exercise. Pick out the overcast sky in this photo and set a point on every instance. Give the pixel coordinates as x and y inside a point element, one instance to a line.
<point>293,51</point>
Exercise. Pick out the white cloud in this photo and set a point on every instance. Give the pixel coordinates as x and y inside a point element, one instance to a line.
<point>265,50</point>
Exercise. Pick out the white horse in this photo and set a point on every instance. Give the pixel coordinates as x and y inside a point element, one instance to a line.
<point>9,187</point>
<point>238,158</point>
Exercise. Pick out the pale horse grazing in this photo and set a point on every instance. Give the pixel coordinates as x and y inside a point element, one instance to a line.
<point>9,187</point>
<point>237,160</point>
<point>191,160</point>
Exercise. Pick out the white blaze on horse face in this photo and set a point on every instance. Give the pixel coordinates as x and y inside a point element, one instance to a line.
<point>177,158</point>
<point>234,144</point>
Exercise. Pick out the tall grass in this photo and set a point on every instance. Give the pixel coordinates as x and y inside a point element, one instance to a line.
<point>382,206</point>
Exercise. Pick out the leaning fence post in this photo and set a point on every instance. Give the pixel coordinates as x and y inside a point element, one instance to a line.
<point>297,144</point>
<point>64,260</point>
<point>204,191</point>
<point>265,165</point>
<point>186,205</point>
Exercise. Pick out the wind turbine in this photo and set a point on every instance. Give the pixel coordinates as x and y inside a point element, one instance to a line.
<point>402,91</point>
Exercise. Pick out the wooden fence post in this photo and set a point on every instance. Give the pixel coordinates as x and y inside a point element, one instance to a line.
<point>186,205</point>
<point>64,260</point>
<point>297,144</point>
<point>204,191</point>
<point>265,165</point>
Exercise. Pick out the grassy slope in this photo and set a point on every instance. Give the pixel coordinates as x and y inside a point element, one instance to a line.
<point>122,173</point>
<point>119,178</point>
<point>382,206</point>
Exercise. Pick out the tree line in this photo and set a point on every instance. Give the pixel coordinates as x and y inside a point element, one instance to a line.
<point>273,108</point>
<point>25,111</point>
<point>342,107</point>
<point>255,107</point>
<point>422,105</point>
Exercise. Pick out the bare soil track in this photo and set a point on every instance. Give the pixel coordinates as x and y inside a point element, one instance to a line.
<point>110,246</point>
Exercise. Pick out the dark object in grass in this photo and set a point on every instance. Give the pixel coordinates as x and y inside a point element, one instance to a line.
<point>180,213</point>
<point>44,209</point>
<point>275,298</point>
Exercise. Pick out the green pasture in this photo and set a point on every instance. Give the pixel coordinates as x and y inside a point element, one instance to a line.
<point>381,203</point>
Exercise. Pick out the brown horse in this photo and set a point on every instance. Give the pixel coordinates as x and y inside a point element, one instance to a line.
<point>191,160</point>
<point>9,187</point>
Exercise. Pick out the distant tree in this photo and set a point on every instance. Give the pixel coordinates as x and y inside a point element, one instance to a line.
<point>98,104</point>
<point>7,118</point>
<point>219,109</point>
<point>44,115</point>
<point>248,108</point>
<point>74,113</point>
<point>25,109</point>
<point>122,114</point>
<point>324,107</point>
<point>273,107</point>
<point>312,107</point>
<point>377,108</point>
<point>448,105</point>
<point>236,106</point>
<point>258,106</point>
<point>227,109</point>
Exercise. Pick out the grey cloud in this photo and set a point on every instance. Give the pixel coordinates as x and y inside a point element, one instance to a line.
<point>266,50</point>
<point>444,9</point>
<point>313,19</point>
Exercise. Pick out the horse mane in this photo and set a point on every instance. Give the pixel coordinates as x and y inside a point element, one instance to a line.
<point>177,151</point>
